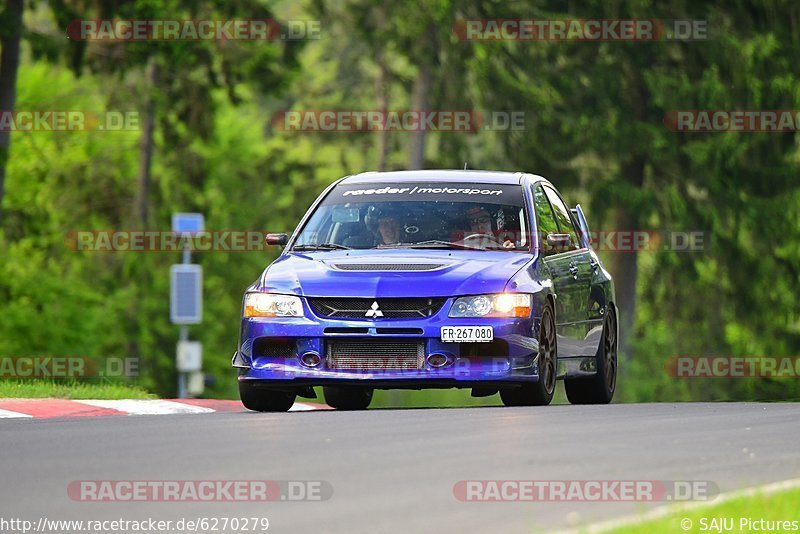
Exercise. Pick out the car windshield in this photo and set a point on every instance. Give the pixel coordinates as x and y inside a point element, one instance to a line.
<point>418,215</point>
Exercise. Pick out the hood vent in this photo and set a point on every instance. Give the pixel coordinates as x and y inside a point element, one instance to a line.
<point>388,266</point>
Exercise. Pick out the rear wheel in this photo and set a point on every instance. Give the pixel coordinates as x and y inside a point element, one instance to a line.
<point>539,393</point>
<point>599,389</point>
<point>265,400</point>
<point>352,398</point>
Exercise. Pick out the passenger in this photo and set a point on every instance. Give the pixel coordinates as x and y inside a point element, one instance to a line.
<point>480,222</point>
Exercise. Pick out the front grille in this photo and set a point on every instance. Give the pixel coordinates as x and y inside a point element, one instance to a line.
<point>389,308</point>
<point>358,330</point>
<point>388,266</point>
<point>375,354</point>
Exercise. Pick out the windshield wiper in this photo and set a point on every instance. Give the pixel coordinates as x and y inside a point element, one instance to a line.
<point>432,243</point>
<point>321,246</point>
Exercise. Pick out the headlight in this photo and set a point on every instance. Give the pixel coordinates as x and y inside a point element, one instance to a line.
<point>271,305</point>
<point>500,305</point>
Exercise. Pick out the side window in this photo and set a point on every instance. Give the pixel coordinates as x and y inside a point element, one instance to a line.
<point>565,224</point>
<point>545,219</point>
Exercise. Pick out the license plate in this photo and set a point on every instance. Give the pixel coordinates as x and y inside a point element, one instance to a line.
<point>467,334</point>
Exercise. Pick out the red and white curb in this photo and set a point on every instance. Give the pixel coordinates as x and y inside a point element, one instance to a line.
<point>52,408</point>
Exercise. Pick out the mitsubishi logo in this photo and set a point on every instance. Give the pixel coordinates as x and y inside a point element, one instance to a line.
<point>373,311</point>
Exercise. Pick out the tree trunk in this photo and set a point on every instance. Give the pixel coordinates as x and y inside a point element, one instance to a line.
<point>381,91</point>
<point>624,264</point>
<point>421,97</point>
<point>422,88</point>
<point>10,34</point>
<point>142,201</point>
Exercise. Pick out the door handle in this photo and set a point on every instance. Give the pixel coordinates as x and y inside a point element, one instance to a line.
<point>574,270</point>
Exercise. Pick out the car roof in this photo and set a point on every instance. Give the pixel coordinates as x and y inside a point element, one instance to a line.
<point>439,175</point>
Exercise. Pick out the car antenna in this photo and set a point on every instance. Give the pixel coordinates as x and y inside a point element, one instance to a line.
<point>465,165</point>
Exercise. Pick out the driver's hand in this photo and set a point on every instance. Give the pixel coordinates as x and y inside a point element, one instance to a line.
<point>509,244</point>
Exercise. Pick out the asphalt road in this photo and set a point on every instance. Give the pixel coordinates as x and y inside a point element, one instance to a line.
<point>395,470</point>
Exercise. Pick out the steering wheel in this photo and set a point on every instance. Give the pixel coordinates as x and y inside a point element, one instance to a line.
<point>482,236</point>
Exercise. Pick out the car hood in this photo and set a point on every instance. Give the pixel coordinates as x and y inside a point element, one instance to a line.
<point>391,273</point>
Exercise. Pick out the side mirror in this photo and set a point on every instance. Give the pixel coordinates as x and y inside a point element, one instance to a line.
<point>558,242</point>
<point>277,239</point>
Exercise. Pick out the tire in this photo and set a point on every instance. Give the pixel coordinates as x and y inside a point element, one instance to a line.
<point>265,400</point>
<point>599,389</point>
<point>539,393</point>
<point>352,398</point>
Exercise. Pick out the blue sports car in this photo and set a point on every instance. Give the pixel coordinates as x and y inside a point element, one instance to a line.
<point>431,279</point>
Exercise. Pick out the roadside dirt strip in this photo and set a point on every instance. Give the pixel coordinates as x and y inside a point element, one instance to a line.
<point>55,408</point>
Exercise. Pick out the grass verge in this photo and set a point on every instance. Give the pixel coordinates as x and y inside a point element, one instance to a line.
<point>752,513</point>
<point>37,389</point>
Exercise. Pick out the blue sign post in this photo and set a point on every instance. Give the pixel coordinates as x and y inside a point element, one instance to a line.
<point>186,287</point>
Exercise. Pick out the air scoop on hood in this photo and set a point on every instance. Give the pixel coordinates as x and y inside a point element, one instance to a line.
<point>341,266</point>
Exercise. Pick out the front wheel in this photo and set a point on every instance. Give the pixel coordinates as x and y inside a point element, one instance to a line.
<point>598,389</point>
<point>352,398</point>
<point>539,393</point>
<point>265,400</point>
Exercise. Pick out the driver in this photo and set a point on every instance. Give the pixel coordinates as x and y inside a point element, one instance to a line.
<point>480,222</point>
<point>385,224</point>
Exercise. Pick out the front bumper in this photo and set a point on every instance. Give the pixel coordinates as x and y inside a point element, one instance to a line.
<point>511,358</point>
